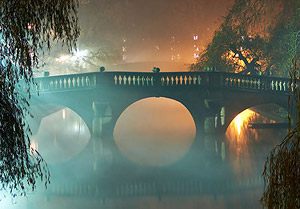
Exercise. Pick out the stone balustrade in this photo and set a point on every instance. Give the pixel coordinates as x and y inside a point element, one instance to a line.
<point>163,80</point>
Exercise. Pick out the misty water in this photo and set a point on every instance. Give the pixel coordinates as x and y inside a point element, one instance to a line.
<point>156,161</point>
<point>156,158</point>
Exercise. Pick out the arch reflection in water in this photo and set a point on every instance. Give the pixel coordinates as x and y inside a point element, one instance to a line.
<point>248,147</point>
<point>61,136</point>
<point>155,131</point>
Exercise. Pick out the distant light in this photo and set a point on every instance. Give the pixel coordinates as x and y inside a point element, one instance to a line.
<point>195,37</point>
<point>80,54</point>
<point>33,147</point>
<point>77,55</point>
<point>63,58</point>
<point>196,55</point>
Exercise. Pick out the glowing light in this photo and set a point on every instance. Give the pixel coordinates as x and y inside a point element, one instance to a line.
<point>238,124</point>
<point>63,58</point>
<point>33,147</point>
<point>195,37</point>
<point>64,114</point>
<point>80,54</point>
<point>77,55</point>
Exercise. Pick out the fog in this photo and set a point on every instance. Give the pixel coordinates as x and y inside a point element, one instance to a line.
<point>117,33</point>
<point>155,158</point>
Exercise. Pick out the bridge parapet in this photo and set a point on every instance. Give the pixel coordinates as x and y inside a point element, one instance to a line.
<point>72,81</point>
<point>258,83</point>
<point>170,79</point>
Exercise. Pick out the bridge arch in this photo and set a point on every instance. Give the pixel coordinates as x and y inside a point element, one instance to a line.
<point>163,124</point>
<point>59,133</point>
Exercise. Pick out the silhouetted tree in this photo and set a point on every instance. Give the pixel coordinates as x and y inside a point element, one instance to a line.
<point>256,35</point>
<point>26,29</point>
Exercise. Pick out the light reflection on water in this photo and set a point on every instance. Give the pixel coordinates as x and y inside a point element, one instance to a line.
<point>247,150</point>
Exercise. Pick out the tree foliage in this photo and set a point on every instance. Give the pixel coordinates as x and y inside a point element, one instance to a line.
<point>26,29</point>
<point>256,35</point>
<point>282,168</point>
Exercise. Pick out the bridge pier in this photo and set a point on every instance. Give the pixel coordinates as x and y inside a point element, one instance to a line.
<point>214,129</point>
<point>99,135</point>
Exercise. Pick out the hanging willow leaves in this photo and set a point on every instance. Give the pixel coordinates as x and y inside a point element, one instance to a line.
<point>27,27</point>
<point>282,168</point>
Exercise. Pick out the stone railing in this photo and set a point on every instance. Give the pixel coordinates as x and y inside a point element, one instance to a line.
<point>259,83</point>
<point>75,81</point>
<point>162,80</point>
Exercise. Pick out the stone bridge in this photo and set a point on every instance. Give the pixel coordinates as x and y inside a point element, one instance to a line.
<point>212,98</point>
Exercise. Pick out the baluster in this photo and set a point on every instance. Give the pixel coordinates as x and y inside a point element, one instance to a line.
<point>147,80</point>
<point>64,83</point>
<point>172,80</point>
<point>185,80</point>
<point>116,80</point>
<point>120,80</point>
<point>138,80</point>
<point>82,81</point>
<point>73,82</point>
<point>129,80</point>
<point>176,80</point>
<point>87,81</point>
<point>199,80</point>
<point>60,83</point>
<point>143,80</point>
<point>280,86</point>
<point>258,84</point>
<point>152,81</point>
<point>276,85</point>
<point>162,81</point>
<point>78,82</point>
<point>69,82</point>
<point>168,80</point>
<point>180,80</point>
<point>194,80</point>
<point>133,80</point>
<point>284,86</point>
<point>124,80</point>
<point>272,85</point>
<point>56,84</point>
<point>226,81</point>
<point>251,83</point>
<point>190,80</point>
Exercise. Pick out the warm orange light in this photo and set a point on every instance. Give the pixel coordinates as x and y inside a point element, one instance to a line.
<point>242,120</point>
<point>238,124</point>
<point>241,138</point>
